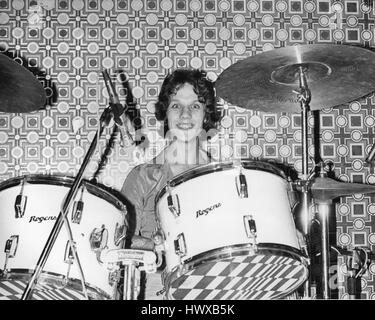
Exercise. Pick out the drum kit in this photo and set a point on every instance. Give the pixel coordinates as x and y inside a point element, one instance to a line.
<point>240,241</point>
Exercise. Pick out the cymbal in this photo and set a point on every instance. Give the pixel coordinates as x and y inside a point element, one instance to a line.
<point>324,188</point>
<point>335,74</point>
<point>20,91</point>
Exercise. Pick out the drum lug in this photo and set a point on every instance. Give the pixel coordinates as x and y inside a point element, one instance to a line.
<point>99,241</point>
<point>11,246</point>
<point>250,227</point>
<point>241,186</point>
<point>10,250</point>
<point>174,205</point>
<point>120,233</point>
<point>20,203</point>
<point>77,211</point>
<point>180,245</point>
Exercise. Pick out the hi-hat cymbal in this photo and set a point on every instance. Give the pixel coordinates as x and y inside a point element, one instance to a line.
<point>20,91</point>
<point>324,188</point>
<point>336,74</point>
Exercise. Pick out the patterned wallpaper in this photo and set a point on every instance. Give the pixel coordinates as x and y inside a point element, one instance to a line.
<point>68,43</point>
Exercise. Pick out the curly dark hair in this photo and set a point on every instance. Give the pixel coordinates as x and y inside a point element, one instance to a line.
<point>203,87</point>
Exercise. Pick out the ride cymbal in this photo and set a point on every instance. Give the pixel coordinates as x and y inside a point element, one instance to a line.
<point>335,74</point>
<point>20,91</point>
<point>324,188</point>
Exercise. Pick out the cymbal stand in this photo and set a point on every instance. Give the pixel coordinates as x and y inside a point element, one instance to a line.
<point>324,208</point>
<point>104,121</point>
<point>304,97</point>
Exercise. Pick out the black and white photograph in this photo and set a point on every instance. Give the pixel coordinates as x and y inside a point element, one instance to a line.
<point>201,152</point>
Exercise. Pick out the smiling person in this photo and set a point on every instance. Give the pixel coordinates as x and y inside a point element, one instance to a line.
<point>187,107</point>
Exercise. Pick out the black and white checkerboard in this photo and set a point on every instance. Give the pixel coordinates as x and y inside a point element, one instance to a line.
<point>240,278</point>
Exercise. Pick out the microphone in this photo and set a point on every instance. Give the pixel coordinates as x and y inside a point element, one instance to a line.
<point>371,156</point>
<point>117,108</point>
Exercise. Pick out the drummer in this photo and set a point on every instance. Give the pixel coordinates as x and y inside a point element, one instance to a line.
<point>187,107</point>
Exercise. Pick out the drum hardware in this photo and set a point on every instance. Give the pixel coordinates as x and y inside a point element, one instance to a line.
<point>173,203</point>
<point>68,258</point>
<point>72,251</point>
<point>78,209</point>
<point>250,227</point>
<point>241,186</point>
<point>120,233</point>
<point>324,190</point>
<point>10,251</point>
<point>118,109</point>
<point>20,91</point>
<point>356,261</point>
<point>99,241</point>
<point>20,202</point>
<point>111,111</point>
<point>304,98</point>
<point>251,232</point>
<point>240,180</point>
<point>180,245</point>
<point>356,267</point>
<point>131,260</point>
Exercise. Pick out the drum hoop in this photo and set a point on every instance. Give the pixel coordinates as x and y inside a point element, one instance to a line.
<point>56,279</point>
<point>99,190</point>
<point>233,251</point>
<point>217,167</point>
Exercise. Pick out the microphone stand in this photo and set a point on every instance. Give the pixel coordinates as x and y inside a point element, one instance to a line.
<point>104,121</point>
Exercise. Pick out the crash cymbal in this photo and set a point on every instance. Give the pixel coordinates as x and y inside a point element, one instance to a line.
<point>324,188</point>
<point>336,74</point>
<point>20,91</point>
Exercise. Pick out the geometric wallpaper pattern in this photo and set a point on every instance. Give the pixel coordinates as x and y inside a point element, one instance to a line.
<point>67,44</point>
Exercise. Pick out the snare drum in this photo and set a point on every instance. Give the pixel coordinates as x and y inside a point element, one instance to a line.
<point>29,208</point>
<point>229,233</point>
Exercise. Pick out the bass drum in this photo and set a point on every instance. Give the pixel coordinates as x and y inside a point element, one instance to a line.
<point>229,233</point>
<point>29,208</point>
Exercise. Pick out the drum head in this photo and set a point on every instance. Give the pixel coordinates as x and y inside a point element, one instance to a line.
<point>237,273</point>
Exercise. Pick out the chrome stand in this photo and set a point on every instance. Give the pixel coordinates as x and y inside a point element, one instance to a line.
<point>324,212</point>
<point>132,260</point>
<point>304,97</point>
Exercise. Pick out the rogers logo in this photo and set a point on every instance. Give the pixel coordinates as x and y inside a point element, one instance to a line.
<point>41,219</point>
<point>207,210</point>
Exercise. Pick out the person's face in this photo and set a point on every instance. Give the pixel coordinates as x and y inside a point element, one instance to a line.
<point>185,114</point>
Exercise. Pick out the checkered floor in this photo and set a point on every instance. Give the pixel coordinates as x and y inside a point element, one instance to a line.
<point>241,278</point>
